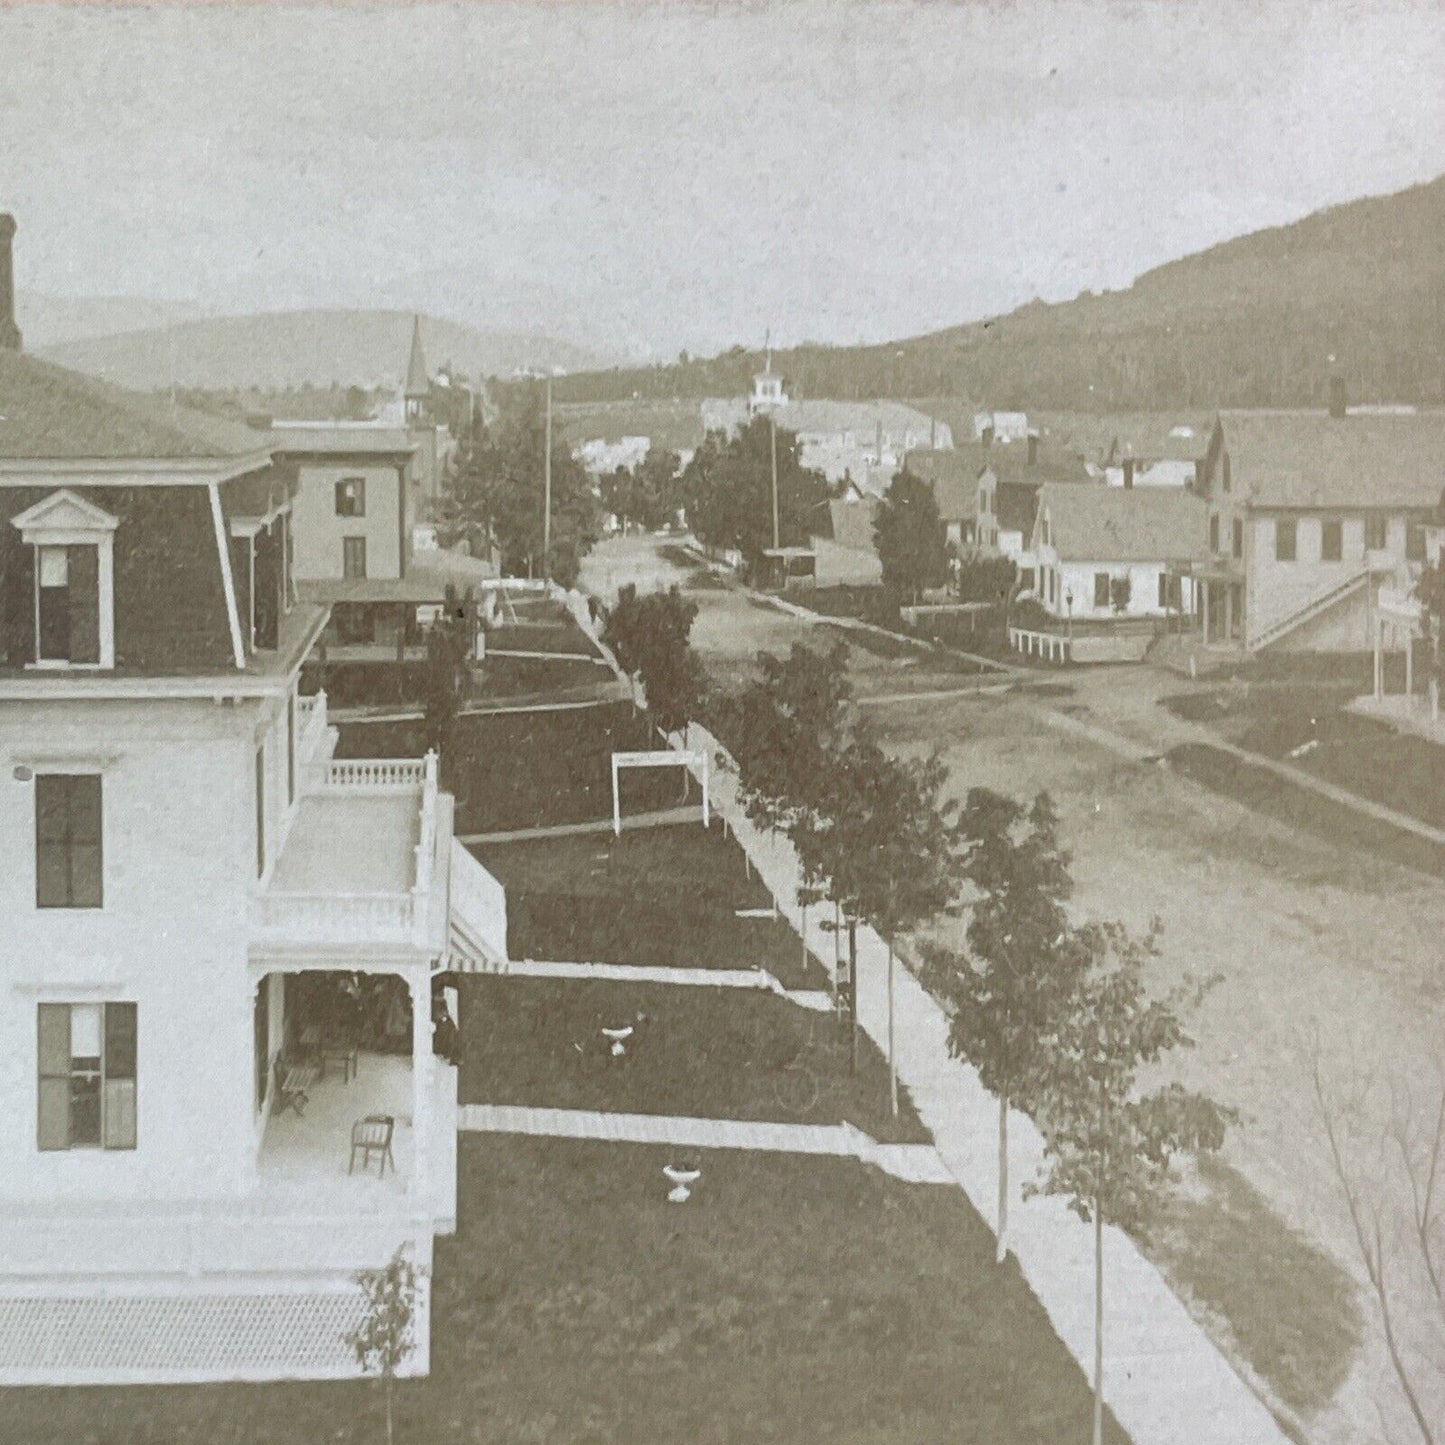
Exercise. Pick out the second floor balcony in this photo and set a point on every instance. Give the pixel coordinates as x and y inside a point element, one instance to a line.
<point>365,860</point>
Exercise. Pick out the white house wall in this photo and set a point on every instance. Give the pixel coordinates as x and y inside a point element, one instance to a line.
<point>178,851</point>
<point>319,531</point>
<point>1170,473</point>
<point>1277,590</point>
<point>1077,578</point>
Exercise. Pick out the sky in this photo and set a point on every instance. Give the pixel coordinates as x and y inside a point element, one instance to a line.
<point>642,178</point>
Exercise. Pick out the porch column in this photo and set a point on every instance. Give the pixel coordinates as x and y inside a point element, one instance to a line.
<point>1379,671</point>
<point>1204,593</point>
<point>419,983</point>
<point>1409,663</point>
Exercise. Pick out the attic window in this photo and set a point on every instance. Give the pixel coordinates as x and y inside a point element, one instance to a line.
<point>73,570</point>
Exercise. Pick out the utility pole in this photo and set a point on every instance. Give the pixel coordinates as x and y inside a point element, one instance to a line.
<point>547,491</point>
<point>773,425</point>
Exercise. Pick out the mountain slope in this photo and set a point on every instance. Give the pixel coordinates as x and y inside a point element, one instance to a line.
<point>289,348</point>
<point>47,321</point>
<point>1251,322</point>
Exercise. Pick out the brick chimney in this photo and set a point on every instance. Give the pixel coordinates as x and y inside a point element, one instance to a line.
<point>1337,395</point>
<point>9,332</point>
<point>1033,448</point>
<point>1128,473</point>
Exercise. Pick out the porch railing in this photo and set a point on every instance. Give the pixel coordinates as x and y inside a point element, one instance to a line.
<point>375,774</point>
<point>339,917</point>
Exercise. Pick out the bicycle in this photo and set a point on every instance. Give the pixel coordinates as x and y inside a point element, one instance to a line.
<point>796,1086</point>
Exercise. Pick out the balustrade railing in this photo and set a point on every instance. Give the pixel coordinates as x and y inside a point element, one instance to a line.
<point>320,917</point>
<point>375,773</point>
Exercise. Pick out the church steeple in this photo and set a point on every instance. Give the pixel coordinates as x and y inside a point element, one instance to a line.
<point>418,384</point>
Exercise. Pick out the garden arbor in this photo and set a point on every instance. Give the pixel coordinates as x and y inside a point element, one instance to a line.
<point>659,758</point>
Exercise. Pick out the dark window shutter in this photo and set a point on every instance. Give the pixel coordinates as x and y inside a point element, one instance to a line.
<point>53,1111</point>
<point>120,1075</point>
<point>17,601</point>
<point>84,569</point>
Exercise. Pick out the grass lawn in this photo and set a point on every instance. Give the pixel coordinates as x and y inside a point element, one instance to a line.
<point>1362,754</point>
<point>542,636</point>
<point>1291,1310</point>
<point>523,770</point>
<point>665,896</point>
<point>710,1052</point>
<point>793,1299</point>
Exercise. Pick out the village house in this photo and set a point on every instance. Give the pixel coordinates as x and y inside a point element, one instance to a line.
<point>985,491</point>
<point>1310,513</point>
<point>363,492</point>
<point>1132,449</point>
<point>862,441</point>
<point>221,944</point>
<point>1114,554</point>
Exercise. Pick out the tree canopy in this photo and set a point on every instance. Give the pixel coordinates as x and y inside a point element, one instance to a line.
<point>649,637</point>
<point>728,491</point>
<point>495,491</point>
<point>908,535</point>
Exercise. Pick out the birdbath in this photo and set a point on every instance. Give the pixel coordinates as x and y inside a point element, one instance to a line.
<point>682,1178</point>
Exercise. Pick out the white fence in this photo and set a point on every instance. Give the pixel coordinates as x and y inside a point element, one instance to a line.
<point>1047,645</point>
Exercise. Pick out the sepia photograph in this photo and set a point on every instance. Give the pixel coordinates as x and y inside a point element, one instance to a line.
<point>721,722</point>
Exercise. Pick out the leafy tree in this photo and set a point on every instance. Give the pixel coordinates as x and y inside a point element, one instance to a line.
<point>658,487</point>
<point>1109,1146</point>
<point>909,537</point>
<point>987,579</point>
<point>788,728</point>
<point>1012,990</point>
<point>619,494</point>
<point>888,851</point>
<point>727,490</point>
<point>448,649</point>
<point>648,635</point>
<point>1430,591</point>
<point>495,491</point>
<point>566,563</point>
<point>384,1337</point>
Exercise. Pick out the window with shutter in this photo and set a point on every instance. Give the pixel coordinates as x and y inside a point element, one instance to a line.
<point>86,1055</point>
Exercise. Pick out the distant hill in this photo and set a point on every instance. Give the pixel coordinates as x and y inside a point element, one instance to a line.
<point>1250,322</point>
<point>290,348</point>
<point>47,321</point>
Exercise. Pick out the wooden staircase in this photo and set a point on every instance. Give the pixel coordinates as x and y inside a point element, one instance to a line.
<point>477,917</point>
<point>1320,603</point>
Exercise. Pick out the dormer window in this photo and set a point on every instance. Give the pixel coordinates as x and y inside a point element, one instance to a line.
<point>71,542</point>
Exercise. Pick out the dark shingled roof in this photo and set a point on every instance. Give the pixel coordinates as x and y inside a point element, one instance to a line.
<point>1013,506</point>
<point>1309,459</point>
<point>1119,524</point>
<point>953,475</point>
<point>48,412</point>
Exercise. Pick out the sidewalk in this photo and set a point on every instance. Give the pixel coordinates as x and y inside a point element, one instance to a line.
<point>914,1163</point>
<point>1163,1378</point>
<point>657,818</point>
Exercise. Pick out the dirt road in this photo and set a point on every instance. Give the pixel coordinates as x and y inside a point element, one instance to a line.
<point>1316,948</point>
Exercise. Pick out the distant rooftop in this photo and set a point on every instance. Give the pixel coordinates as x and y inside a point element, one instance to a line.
<point>1311,459</point>
<point>341,437</point>
<point>50,413</point>
<point>1117,524</point>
